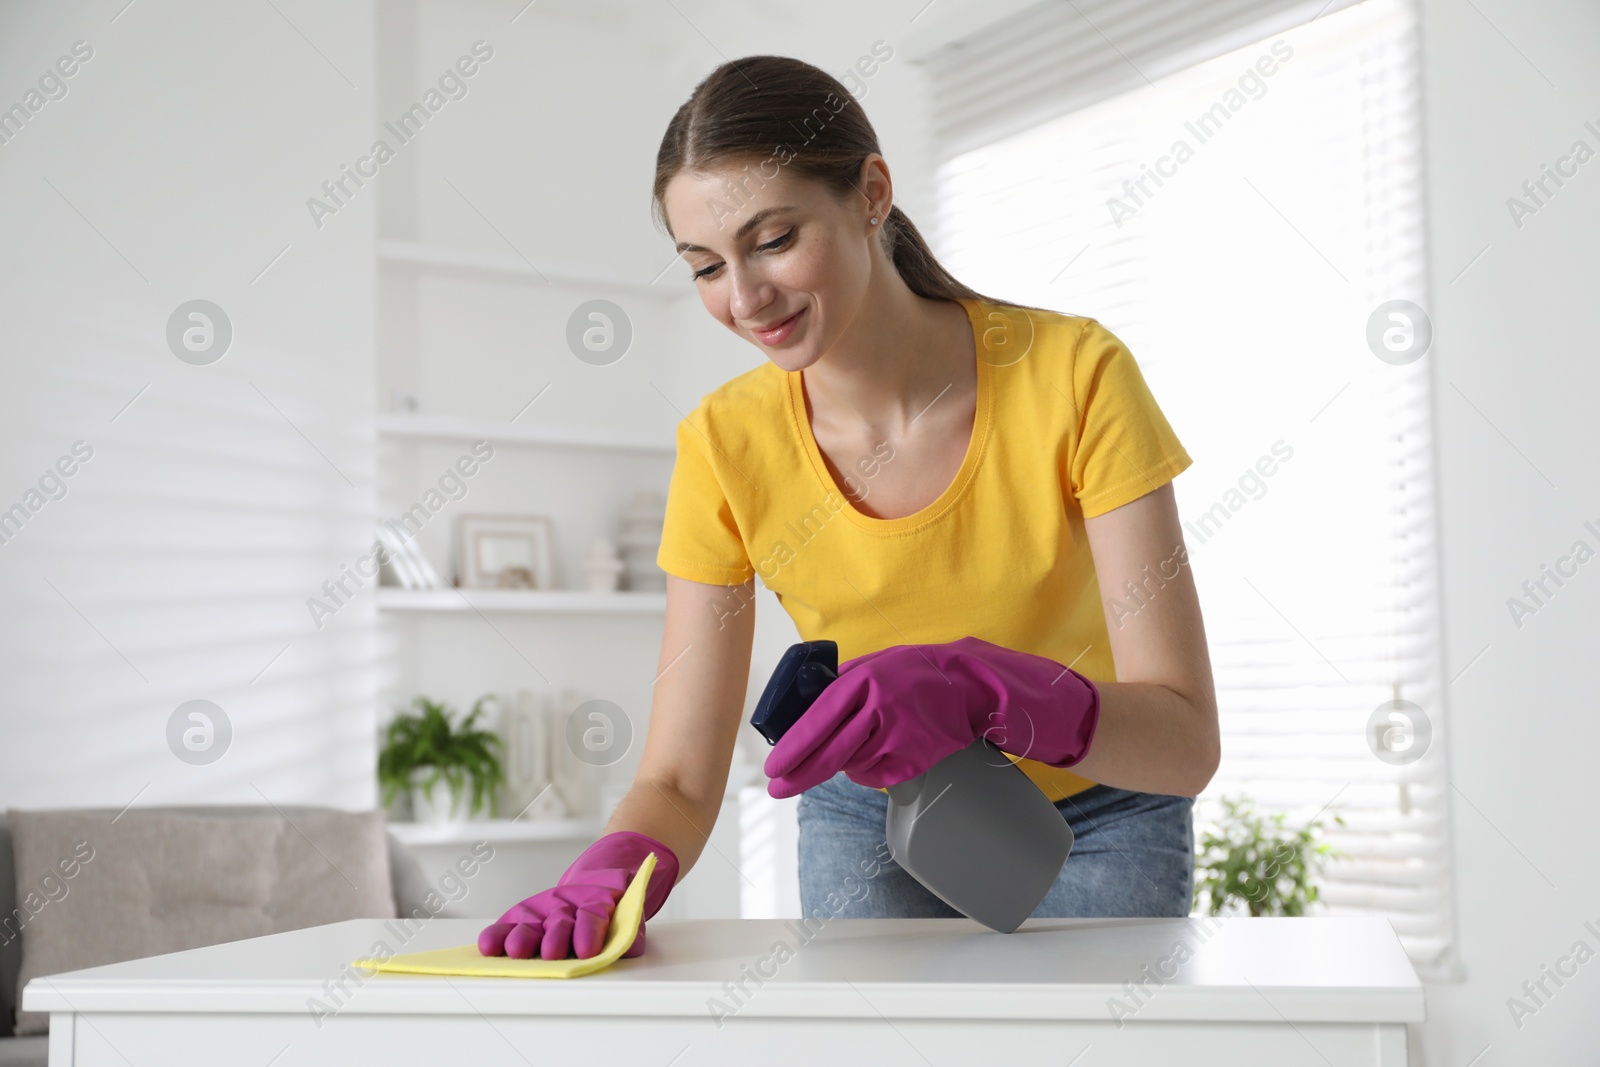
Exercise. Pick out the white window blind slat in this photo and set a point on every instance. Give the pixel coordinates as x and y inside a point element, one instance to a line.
<point>1387,899</point>
<point>1242,284</point>
<point>1417,849</point>
<point>1055,58</point>
<point>1375,872</point>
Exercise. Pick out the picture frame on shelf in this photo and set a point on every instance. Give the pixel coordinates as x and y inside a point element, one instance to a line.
<point>504,552</point>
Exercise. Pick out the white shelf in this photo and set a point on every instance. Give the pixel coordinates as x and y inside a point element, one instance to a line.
<point>453,428</point>
<point>509,264</point>
<point>468,831</point>
<point>740,776</point>
<point>572,601</point>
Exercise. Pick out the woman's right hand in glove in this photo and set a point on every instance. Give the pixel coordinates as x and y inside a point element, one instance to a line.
<point>574,917</point>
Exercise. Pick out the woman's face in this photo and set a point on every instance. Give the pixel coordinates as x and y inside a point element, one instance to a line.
<point>777,260</point>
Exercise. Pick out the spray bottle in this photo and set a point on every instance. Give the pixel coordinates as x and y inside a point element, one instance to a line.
<point>973,828</point>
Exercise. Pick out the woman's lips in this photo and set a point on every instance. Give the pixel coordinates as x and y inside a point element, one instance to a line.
<point>779,333</point>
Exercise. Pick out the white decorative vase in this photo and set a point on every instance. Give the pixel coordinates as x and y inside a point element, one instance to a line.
<point>526,755</point>
<point>435,805</point>
<point>640,541</point>
<point>575,781</point>
<point>602,568</point>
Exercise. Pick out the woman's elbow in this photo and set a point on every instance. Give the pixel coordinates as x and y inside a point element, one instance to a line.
<point>1203,766</point>
<point>1205,755</point>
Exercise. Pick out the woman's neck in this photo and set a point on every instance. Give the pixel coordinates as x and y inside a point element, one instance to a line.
<point>899,354</point>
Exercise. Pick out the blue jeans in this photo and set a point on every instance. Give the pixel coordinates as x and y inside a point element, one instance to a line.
<point>1133,856</point>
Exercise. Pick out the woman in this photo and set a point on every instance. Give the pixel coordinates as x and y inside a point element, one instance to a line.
<point>940,482</point>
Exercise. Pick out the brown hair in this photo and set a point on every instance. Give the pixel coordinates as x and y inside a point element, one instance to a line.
<point>754,109</point>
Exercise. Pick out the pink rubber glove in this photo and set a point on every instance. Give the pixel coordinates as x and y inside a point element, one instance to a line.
<point>894,713</point>
<point>574,917</point>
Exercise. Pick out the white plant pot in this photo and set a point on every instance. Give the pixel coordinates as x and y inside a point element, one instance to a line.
<point>435,805</point>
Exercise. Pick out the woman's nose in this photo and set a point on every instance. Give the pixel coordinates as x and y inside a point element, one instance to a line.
<point>748,293</point>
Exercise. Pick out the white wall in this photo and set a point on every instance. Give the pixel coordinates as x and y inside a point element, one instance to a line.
<point>1516,382</point>
<point>178,564</point>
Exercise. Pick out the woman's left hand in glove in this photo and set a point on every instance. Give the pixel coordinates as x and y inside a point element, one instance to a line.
<point>894,713</point>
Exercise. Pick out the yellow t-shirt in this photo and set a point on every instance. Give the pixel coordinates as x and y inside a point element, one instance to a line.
<point>1065,429</point>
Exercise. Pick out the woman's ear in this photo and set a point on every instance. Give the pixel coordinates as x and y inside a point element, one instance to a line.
<point>877,187</point>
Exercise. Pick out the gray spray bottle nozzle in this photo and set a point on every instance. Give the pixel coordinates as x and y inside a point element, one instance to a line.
<point>973,829</point>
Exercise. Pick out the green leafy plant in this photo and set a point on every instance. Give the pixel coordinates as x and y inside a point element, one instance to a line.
<point>459,755</point>
<point>1255,861</point>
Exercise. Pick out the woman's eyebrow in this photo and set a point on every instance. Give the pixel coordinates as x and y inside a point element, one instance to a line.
<point>749,224</point>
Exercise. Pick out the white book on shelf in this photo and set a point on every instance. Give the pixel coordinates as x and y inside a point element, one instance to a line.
<point>388,573</point>
<point>403,568</point>
<point>428,571</point>
<point>419,563</point>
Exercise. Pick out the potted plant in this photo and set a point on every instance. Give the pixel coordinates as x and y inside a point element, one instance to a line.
<point>1253,861</point>
<point>423,751</point>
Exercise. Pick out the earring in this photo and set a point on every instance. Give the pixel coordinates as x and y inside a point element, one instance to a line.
<point>874,222</point>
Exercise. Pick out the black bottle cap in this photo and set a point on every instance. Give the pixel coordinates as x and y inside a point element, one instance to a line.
<point>803,673</point>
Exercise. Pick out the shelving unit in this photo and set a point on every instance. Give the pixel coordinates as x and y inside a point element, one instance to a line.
<point>494,831</point>
<point>474,318</point>
<point>452,428</point>
<point>465,831</point>
<point>572,601</point>
<point>435,627</point>
<point>627,444</point>
<point>422,256</point>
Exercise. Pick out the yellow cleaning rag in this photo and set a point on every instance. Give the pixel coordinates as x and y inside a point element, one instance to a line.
<point>466,960</point>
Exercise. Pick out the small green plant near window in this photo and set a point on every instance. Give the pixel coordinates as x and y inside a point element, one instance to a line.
<point>423,747</point>
<point>1253,861</point>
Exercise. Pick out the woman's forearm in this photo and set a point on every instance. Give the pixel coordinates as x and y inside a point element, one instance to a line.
<point>1152,739</point>
<point>660,810</point>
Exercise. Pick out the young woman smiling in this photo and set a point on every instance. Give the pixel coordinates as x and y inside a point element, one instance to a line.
<point>1032,470</point>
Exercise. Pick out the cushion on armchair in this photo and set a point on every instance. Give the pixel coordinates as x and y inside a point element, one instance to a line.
<point>95,886</point>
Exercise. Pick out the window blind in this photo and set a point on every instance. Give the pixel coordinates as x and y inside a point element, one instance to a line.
<point>1243,280</point>
<point>1062,55</point>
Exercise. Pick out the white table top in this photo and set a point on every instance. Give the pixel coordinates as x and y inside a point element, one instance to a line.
<point>1267,970</point>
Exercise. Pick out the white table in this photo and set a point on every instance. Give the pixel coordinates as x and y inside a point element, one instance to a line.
<point>879,991</point>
